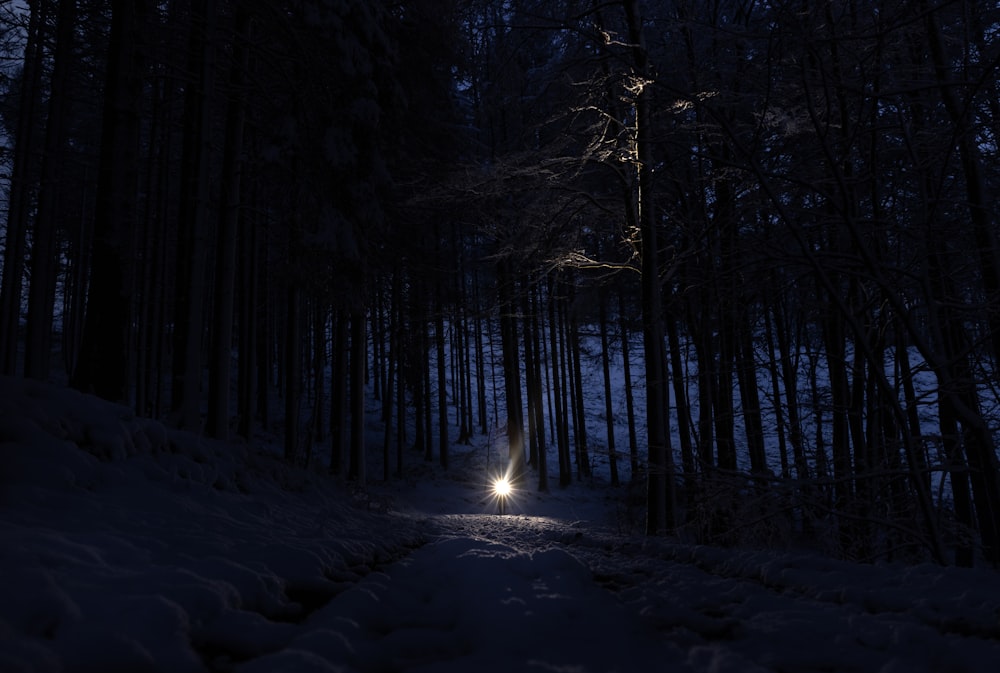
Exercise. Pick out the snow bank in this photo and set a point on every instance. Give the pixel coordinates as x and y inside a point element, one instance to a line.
<point>127,546</point>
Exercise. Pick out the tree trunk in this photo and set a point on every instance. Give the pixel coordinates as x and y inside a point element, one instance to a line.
<point>779,412</point>
<point>580,416</point>
<point>20,203</point>
<point>681,401</point>
<point>723,406</point>
<point>247,377</point>
<point>76,289</point>
<point>417,369</point>
<point>42,292</point>
<point>790,374</point>
<point>387,401</point>
<point>833,332</point>
<point>192,255</point>
<point>609,413</point>
<point>402,366</point>
<point>229,217</point>
<point>338,394</point>
<point>442,384</point>
<point>151,284</point>
<point>359,363</point>
<point>428,395</point>
<point>265,331</point>
<point>536,439</point>
<point>560,421</point>
<point>750,397</point>
<point>566,401</point>
<point>633,441</point>
<point>459,354</point>
<point>292,372</point>
<point>660,473</point>
<point>913,429</point>
<point>480,358</point>
<point>103,363</point>
<point>393,378</point>
<point>537,341</point>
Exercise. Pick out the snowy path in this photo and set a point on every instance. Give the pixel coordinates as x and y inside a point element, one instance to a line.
<point>465,603</point>
<point>523,593</point>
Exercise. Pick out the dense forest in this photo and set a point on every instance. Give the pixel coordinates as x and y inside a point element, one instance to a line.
<point>777,218</point>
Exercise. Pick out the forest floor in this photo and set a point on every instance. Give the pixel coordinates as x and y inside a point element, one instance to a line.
<point>126,546</point>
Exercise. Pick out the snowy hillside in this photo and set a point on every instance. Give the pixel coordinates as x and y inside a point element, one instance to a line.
<point>125,546</point>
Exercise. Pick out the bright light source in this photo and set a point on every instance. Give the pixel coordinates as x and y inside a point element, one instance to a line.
<point>502,487</point>
<point>503,491</point>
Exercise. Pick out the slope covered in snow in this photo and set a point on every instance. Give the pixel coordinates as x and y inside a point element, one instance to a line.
<point>125,546</point>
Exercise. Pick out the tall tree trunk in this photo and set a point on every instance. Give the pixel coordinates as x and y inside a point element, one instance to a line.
<point>42,292</point>
<point>159,229</point>
<point>428,395</point>
<point>442,383</point>
<point>103,363</point>
<point>565,401</point>
<point>580,416</point>
<point>537,341</point>
<point>660,472</point>
<point>912,412</point>
<point>402,367</point>
<point>957,387</point>
<point>292,372</point>
<point>319,363</point>
<point>229,217</point>
<point>723,406</point>
<point>958,474</point>
<point>20,203</point>
<point>387,400</point>
<point>681,399</point>
<point>459,354</point>
<point>633,442</point>
<point>393,378</point>
<point>536,439</point>
<point>707,380</point>
<point>480,358</point>
<point>779,414</point>
<point>417,366</point>
<point>836,357</point>
<point>359,363</point>
<point>249,376</point>
<point>151,284</point>
<point>378,343</point>
<point>609,413</point>
<point>192,255</point>
<point>423,320</point>
<point>265,344</point>
<point>470,422</point>
<point>338,394</point>
<point>559,420</point>
<point>750,397</point>
<point>76,288</point>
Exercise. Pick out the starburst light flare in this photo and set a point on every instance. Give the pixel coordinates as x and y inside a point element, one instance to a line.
<point>502,491</point>
<point>502,487</point>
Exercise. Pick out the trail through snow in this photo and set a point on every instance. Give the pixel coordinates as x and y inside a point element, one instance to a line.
<point>129,547</point>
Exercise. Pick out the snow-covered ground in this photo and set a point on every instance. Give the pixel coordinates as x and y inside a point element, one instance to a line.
<point>128,547</point>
